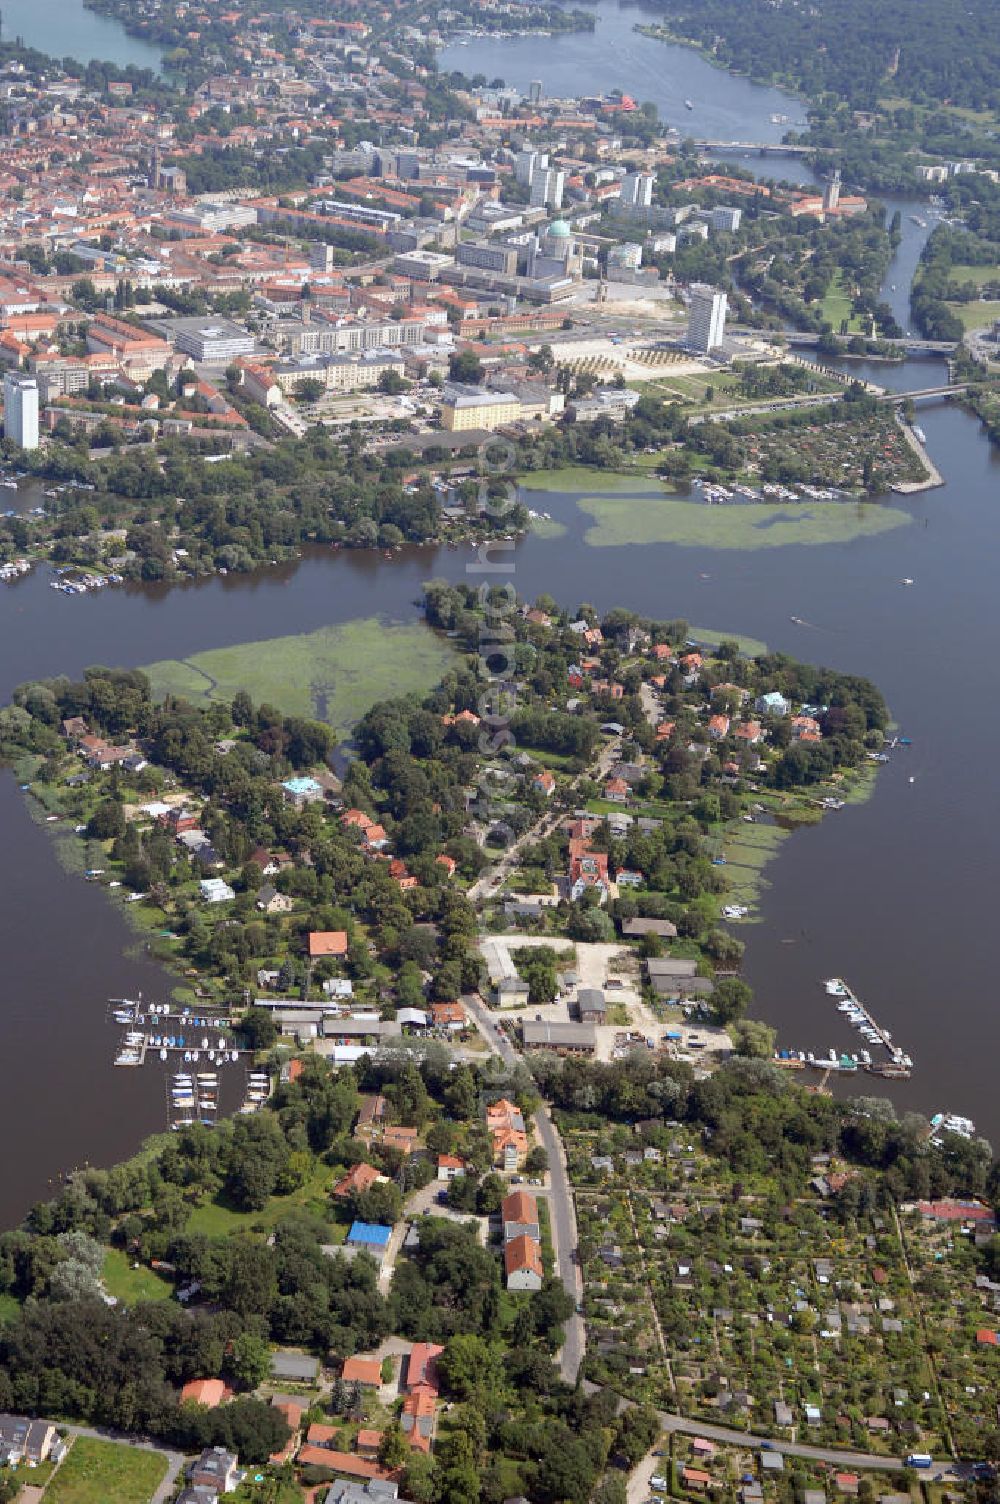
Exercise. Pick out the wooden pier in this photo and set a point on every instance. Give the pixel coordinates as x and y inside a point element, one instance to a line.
<point>897,1066</point>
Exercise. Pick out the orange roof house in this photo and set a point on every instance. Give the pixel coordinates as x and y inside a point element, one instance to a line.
<point>446,1015</point>
<point>364,1371</point>
<point>417,1418</point>
<point>327,943</point>
<point>340,1462</point>
<point>206,1392</point>
<point>397,1137</point>
<point>358,1178</point>
<point>421,1365</point>
<point>356,817</point>
<point>522,1258</point>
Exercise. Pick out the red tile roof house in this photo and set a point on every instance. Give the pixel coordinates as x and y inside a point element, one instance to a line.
<point>206,1392</point>
<point>327,943</point>
<point>616,789</point>
<point>544,783</point>
<point>519,1214</point>
<point>718,727</point>
<point>293,1412</point>
<point>421,1366</point>
<point>950,1210</point>
<point>358,1178</point>
<point>339,1462</point>
<point>364,1371</point>
<point>448,1016</point>
<point>522,1259</point>
<point>418,1415</point>
<point>448,1166</point>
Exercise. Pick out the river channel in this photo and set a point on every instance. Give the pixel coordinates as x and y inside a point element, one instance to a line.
<point>895,895</point>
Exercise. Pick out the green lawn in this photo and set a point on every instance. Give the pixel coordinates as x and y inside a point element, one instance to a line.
<point>836,306</point>
<point>95,1472</point>
<point>582,478</point>
<point>666,519</point>
<point>269,1490</point>
<point>977,275</point>
<point>132,1285</point>
<point>217,1219</point>
<point>10,1307</point>
<point>976,315</point>
<point>336,673</point>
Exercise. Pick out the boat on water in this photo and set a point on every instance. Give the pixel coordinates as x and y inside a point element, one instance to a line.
<point>918,434</point>
<point>688,105</point>
<point>163,1053</point>
<point>950,1122</point>
<point>837,987</point>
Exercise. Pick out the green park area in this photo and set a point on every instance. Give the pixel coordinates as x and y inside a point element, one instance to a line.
<point>836,306</point>
<point>666,519</point>
<point>334,674</point>
<point>219,1218</point>
<point>976,315</point>
<point>130,1285</point>
<point>977,275</point>
<point>97,1471</point>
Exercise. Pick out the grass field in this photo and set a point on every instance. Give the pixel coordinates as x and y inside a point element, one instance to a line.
<point>336,673</point>
<point>217,1219</point>
<point>581,478</point>
<point>976,315</point>
<point>836,306</point>
<point>666,519</point>
<point>10,1307</point>
<point>132,1285</point>
<point>977,275</point>
<point>95,1472</point>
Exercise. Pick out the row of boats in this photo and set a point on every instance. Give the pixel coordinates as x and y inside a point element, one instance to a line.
<point>856,1014</point>
<point>85,583</point>
<point>194,1098</point>
<point>258,1091</point>
<point>899,1065</point>
<point>125,1011</point>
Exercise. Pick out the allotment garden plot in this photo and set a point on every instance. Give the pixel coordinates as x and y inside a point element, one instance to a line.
<point>731,1301</point>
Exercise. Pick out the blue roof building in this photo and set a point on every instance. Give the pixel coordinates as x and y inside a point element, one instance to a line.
<point>371,1235</point>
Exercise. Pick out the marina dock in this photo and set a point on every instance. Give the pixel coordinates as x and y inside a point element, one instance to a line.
<point>162,1031</point>
<point>880,1056</point>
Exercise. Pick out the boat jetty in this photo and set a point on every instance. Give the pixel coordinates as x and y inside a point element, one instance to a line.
<point>165,1030</point>
<point>192,1097</point>
<point>258,1091</point>
<point>879,1056</point>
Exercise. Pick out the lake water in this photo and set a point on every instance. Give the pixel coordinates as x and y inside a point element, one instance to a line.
<point>615,56</point>
<point>895,895</point>
<point>65,29</point>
